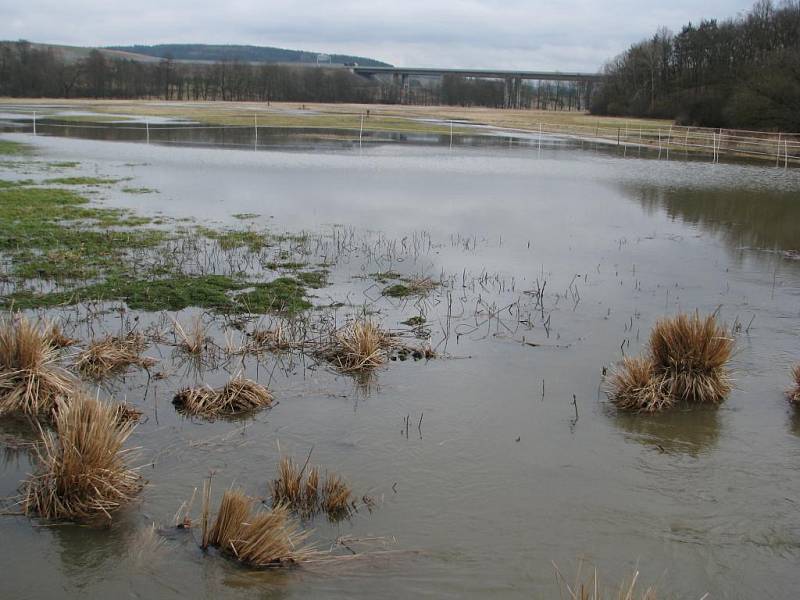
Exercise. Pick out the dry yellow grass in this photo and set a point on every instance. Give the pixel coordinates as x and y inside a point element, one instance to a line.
<point>31,381</point>
<point>257,538</point>
<point>194,340</point>
<point>634,385</point>
<point>588,587</point>
<point>692,353</point>
<point>794,393</point>
<point>57,337</point>
<point>357,346</point>
<point>82,473</point>
<point>685,361</point>
<point>304,491</point>
<point>238,396</point>
<point>113,354</point>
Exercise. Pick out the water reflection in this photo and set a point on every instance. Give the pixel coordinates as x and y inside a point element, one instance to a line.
<point>692,431</point>
<point>769,224</point>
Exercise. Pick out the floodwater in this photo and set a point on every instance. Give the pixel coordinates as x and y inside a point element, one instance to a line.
<point>519,459</point>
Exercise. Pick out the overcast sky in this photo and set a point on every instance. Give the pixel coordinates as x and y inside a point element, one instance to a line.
<point>533,34</point>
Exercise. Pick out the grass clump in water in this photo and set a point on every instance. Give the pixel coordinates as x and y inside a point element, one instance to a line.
<point>306,492</point>
<point>139,190</point>
<point>113,354</point>
<point>590,588</point>
<point>420,286</point>
<point>236,397</point>
<point>237,238</point>
<point>31,382</point>
<point>359,345</point>
<point>685,362</point>
<point>257,538</point>
<point>82,473</point>
<point>794,393</point>
<point>82,181</point>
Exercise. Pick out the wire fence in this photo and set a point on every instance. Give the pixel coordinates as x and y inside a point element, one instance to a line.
<point>783,148</point>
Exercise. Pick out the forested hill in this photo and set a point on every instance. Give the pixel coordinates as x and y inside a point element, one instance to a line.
<point>739,73</point>
<point>256,54</point>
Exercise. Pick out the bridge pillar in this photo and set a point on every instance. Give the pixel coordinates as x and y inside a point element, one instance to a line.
<point>406,89</point>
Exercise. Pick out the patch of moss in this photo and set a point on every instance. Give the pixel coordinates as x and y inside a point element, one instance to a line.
<point>81,180</point>
<point>66,164</point>
<point>243,216</point>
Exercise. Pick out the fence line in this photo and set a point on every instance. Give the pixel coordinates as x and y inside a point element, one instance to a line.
<point>784,148</point>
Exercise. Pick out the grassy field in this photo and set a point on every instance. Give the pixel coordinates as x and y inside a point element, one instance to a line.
<point>382,117</point>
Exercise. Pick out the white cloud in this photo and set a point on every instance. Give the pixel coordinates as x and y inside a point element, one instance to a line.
<point>534,34</point>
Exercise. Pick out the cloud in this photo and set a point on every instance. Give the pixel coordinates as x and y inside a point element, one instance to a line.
<point>534,34</point>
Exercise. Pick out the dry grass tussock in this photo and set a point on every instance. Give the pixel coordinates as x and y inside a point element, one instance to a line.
<point>58,339</point>
<point>239,395</point>
<point>358,345</point>
<point>685,361</point>
<point>82,473</point>
<point>193,340</point>
<point>303,490</point>
<point>272,340</point>
<point>794,393</point>
<point>585,587</point>
<point>31,381</point>
<point>113,354</point>
<point>257,538</point>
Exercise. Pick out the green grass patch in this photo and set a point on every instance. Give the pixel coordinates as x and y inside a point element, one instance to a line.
<point>139,190</point>
<point>4,183</point>
<point>398,290</point>
<point>231,239</point>
<point>67,164</point>
<point>53,234</point>
<point>9,148</point>
<point>417,321</point>
<point>81,180</point>
<point>216,292</point>
<point>313,279</point>
<point>243,216</point>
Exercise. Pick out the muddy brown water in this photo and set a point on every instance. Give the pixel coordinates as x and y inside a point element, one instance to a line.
<point>504,475</point>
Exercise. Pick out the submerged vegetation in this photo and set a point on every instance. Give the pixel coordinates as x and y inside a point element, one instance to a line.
<point>81,472</point>
<point>685,361</point>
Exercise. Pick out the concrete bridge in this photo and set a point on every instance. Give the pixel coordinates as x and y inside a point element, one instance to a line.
<point>513,79</point>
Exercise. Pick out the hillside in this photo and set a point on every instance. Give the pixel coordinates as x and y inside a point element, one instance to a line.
<point>213,53</point>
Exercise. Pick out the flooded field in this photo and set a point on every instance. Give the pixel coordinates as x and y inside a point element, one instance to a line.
<point>528,272</point>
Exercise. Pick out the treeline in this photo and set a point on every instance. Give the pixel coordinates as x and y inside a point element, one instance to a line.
<point>739,73</point>
<point>231,52</point>
<point>27,70</point>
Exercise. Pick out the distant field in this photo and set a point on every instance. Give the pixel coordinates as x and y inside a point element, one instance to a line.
<point>344,116</point>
